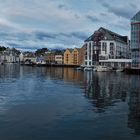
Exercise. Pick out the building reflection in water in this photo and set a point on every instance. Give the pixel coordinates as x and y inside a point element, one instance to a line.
<point>134,105</point>
<point>101,89</point>
<point>105,89</point>
<point>9,71</point>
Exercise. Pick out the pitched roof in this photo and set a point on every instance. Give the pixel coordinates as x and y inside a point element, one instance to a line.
<point>103,33</point>
<point>78,49</point>
<point>69,49</point>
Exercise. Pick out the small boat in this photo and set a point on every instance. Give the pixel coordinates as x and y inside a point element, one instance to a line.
<point>88,68</point>
<point>79,68</point>
<point>119,70</point>
<point>101,68</point>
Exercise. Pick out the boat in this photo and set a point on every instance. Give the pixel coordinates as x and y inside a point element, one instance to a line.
<point>120,70</point>
<point>79,68</point>
<point>101,68</point>
<point>88,68</point>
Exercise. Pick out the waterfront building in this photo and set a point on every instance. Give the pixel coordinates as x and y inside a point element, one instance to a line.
<point>68,56</point>
<point>40,60</point>
<point>107,48</point>
<point>74,56</point>
<point>59,59</point>
<point>9,56</point>
<point>135,40</point>
<point>50,58</point>
<point>81,55</point>
<point>29,59</point>
<point>21,57</point>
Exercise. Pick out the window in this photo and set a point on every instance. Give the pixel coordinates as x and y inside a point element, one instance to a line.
<point>104,47</point>
<point>89,63</point>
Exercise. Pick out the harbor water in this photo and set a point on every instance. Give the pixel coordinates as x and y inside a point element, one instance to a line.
<point>46,103</point>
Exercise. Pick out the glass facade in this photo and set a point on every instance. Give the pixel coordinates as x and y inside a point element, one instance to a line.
<point>135,40</point>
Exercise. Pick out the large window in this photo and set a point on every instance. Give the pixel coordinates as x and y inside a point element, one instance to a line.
<point>104,47</point>
<point>112,49</point>
<point>90,50</point>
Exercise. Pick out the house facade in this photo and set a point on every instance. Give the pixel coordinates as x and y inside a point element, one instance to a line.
<point>68,56</point>
<point>107,48</point>
<point>9,56</point>
<point>135,40</point>
<point>50,58</point>
<point>74,56</point>
<point>59,59</point>
<point>82,55</point>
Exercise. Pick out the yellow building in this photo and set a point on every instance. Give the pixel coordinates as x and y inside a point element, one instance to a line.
<point>73,56</point>
<point>68,56</point>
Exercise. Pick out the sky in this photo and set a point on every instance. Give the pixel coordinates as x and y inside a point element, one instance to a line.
<point>34,24</point>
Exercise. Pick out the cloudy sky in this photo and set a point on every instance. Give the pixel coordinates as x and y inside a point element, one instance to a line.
<point>32,24</point>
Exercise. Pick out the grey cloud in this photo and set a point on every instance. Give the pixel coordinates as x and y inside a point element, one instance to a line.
<point>80,35</point>
<point>61,6</point>
<point>133,5</point>
<point>121,11</point>
<point>44,36</point>
<point>92,18</point>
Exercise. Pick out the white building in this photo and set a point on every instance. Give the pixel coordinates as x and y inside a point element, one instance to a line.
<point>21,57</point>
<point>59,59</point>
<point>92,48</point>
<point>8,56</point>
<point>107,48</point>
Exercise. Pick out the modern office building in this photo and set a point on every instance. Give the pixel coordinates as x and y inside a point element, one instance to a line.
<point>135,40</point>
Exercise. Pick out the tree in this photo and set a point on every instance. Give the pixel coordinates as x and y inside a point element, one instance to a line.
<point>16,51</point>
<point>2,48</point>
<point>40,52</point>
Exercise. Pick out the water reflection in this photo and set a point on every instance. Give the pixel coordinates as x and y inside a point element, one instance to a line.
<point>105,89</point>
<point>134,105</point>
<point>53,94</point>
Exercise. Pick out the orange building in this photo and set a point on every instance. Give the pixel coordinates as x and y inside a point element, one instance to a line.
<point>74,56</point>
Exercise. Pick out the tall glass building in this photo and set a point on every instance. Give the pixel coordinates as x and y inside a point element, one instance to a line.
<point>135,40</point>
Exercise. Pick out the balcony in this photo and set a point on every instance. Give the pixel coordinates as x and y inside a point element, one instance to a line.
<point>101,57</point>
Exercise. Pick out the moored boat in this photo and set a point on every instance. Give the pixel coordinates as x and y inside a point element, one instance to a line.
<point>101,69</point>
<point>120,70</point>
<point>88,68</point>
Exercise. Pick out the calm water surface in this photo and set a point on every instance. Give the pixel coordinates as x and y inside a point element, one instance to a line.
<point>65,104</point>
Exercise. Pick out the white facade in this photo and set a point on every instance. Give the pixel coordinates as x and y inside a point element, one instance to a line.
<point>88,61</point>
<point>104,45</point>
<point>116,63</point>
<point>21,57</point>
<point>9,58</point>
<point>107,50</point>
<point>59,59</point>
<point>114,54</point>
